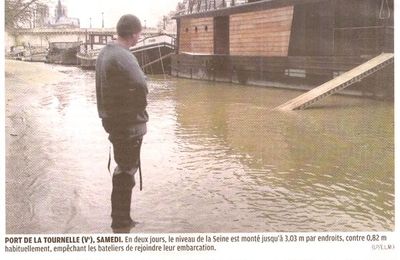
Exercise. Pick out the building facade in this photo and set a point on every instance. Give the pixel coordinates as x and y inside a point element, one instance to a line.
<point>61,19</point>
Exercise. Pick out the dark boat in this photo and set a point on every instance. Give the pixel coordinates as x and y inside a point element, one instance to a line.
<point>154,53</point>
<point>63,53</point>
<point>87,59</point>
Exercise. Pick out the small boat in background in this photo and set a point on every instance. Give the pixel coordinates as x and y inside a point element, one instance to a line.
<point>16,52</point>
<point>154,53</point>
<point>89,50</point>
<point>87,58</point>
<point>63,53</point>
<point>37,54</point>
<point>23,53</point>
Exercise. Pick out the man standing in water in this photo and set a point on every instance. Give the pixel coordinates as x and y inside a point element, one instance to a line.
<point>121,92</point>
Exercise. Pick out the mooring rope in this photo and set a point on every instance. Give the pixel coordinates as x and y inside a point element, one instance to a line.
<point>161,60</point>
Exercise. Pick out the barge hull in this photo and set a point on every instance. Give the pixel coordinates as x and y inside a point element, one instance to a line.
<point>291,72</point>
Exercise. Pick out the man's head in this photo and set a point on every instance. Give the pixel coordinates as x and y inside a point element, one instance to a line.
<point>129,28</point>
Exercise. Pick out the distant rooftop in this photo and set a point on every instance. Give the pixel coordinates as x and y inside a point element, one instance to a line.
<point>61,19</point>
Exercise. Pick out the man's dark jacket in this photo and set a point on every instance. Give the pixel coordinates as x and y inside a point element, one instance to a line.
<point>121,88</point>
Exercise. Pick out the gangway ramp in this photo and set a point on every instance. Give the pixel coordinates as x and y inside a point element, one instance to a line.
<point>344,80</point>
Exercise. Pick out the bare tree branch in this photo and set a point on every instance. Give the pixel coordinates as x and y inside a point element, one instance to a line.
<point>19,13</point>
<point>26,6</point>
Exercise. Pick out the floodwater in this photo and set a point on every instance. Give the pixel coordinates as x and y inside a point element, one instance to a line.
<point>215,159</point>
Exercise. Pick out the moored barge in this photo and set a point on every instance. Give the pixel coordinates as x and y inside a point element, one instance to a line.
<point>285,43</point>
<point>154,53</point>
<point>63,53</point>
<point>94,42</point>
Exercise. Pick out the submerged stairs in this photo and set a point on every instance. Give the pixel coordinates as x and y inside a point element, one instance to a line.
<point>344,80</point>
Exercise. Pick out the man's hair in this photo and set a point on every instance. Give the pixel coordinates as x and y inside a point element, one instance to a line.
<point>127,25</point>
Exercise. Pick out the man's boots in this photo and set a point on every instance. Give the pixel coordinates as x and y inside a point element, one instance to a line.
<point>121,200</point>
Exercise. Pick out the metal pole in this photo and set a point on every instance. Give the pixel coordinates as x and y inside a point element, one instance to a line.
<point>102,20</point>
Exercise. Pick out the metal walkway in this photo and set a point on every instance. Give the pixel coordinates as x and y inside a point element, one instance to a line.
<point>344,80</point>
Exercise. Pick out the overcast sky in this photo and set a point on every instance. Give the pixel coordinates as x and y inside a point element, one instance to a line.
<point>149,10</point>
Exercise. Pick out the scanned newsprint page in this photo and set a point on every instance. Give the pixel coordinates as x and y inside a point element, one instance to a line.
<point>188,129</point>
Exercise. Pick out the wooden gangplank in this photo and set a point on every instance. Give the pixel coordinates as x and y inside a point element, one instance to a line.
<point>344,80</point>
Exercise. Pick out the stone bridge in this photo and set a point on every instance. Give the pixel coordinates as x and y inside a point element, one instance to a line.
<point>41,37</point>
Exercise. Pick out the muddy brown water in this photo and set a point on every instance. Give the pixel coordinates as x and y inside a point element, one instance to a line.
<point>215,159</point>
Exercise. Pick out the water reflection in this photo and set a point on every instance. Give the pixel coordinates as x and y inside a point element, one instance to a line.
<point>216,159</point>
<point>318,166</point>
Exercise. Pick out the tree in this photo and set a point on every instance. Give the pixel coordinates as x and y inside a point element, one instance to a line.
<point>19,13</point>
